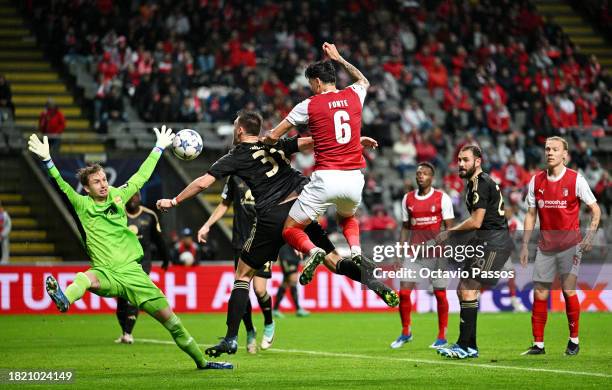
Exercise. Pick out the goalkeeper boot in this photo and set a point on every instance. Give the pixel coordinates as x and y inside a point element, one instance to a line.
<point>217,366</point>
<point>401,340</point>
<point>387,294</point>
<point>534,350</point>
<point>252,341</point>
<point>310,265</point>
<point>268,336</point>
<point>226,345</point>
<point>572,348</point>
<point>56,294</point>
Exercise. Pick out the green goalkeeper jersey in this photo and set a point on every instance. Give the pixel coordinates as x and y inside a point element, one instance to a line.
<point>108,240</point>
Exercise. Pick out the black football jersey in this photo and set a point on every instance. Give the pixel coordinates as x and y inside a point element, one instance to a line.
<point>239,195</point>
<point>266,169</point>
<point>484,193</point>
<point>145,225</point>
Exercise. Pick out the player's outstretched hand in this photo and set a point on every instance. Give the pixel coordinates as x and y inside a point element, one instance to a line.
<point>164,137</point>
<point>331,51</point>
<point>524,256</point>
<point>164,204</point>
<point>368,142</point>
<point>41,149</point>
<point>203,234</point>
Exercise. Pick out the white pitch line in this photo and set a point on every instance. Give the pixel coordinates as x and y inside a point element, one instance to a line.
<point>397,359</point>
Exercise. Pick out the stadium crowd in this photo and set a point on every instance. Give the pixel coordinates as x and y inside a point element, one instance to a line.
<point>497,71</point>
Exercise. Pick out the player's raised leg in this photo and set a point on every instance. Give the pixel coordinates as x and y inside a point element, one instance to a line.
<point>82,282</point>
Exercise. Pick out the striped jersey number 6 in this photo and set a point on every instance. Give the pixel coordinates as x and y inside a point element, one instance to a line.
<point>342,126</point>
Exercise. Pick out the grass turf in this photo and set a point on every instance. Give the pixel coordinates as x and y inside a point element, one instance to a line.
<point>320,351</point>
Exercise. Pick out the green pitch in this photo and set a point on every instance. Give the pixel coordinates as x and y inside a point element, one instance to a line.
<point>340,351</point>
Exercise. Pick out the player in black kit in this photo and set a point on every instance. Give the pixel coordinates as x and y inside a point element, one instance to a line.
<point>275,186</point>
<point>289,260</point>
<point>491,242</point>
<point>144,223</point>
<point>237,194</point>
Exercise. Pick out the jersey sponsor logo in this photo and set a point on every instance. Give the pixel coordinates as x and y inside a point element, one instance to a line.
<point>424,220</point>
<point>552,204</point>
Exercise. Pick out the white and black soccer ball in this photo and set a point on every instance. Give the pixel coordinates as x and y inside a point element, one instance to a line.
<point>187,144</point>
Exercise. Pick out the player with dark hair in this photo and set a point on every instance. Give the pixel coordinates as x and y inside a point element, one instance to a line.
<point>423,212</point>
<point>491,244</point>
<point>289,260</point>
<point>275,185</point>
<point>113,248</point>
<point>237,194</point>
<point>333,117</point>
<point>145,224</point>
<point>554,196</point>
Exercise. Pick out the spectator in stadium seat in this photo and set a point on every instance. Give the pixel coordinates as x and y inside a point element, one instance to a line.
<point>186,251</point>
<point>107,68</point>
<point>114,109</point>
<point>5,231</point>
<point>381,220</point>
<point>6,97</point>
<point>455,97</point>
<point>437,76</point>
<point>603,191</point>
<point>52,123</point>
<point>414,118</point>
<point>492,93</point>
<point>404,155</point>
<point>498,121</point>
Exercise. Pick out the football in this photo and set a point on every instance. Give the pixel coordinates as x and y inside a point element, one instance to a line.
<point>187,144</point>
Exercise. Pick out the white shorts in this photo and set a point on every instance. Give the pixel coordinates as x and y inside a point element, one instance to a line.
<point>341,188</point>
<point>440,264</point>
<point>549,264</point>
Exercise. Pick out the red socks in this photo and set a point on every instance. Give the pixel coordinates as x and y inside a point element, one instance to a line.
<point>442,313</point>
<point>405,307</point>
<point>572,309</point>
<point>539,314</point>
<point>298,239</point>
<point>350,229</point>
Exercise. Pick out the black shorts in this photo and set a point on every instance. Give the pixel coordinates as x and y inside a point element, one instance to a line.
<point>264,272</point>
<point>486,269</point>
<point>266,237</point>
<point>289,267</point>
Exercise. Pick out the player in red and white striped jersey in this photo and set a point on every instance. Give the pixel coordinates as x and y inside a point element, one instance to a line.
<point>554,196</point>
<point>333,117</point>
<point>423,212</point>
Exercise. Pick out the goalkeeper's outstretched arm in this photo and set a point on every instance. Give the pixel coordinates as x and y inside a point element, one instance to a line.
<point>41,150</point>
<point>138,180</point>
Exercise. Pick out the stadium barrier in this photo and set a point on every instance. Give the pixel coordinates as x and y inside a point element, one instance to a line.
<point>207,288</point>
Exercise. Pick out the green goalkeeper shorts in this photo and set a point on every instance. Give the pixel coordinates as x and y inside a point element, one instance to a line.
<point>129,282</point>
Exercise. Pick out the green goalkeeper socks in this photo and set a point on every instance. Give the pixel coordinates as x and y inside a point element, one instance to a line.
<point>77,288</point>
<point>183,339</point>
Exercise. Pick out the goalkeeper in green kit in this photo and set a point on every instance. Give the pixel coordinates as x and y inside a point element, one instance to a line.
<point>114,250</point>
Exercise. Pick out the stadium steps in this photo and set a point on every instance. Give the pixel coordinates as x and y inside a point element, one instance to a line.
<point>28,240</point>
<point>579,30</point>
<point>33,81</point>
